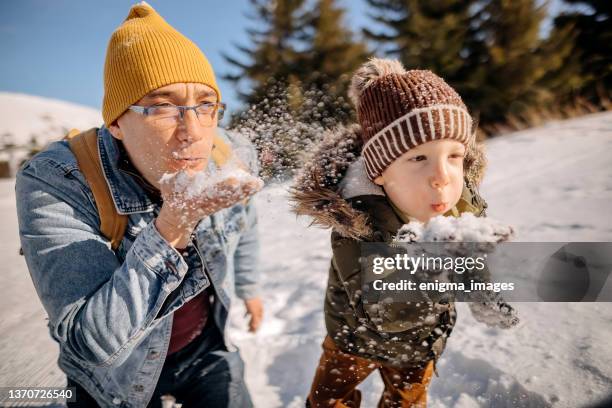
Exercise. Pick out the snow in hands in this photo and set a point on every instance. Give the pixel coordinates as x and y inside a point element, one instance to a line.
<point>227,179</point>
<point>209,191</point>
<point>466,228</point>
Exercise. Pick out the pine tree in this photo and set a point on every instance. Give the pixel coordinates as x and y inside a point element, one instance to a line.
<point>426,34</point>
<point>272,53</point>
<point>305,53</point>
<point>592,46</point>
<point>299,69</point>
<point>326,64</point>
<point>492,52</point>
<point>513,61</point>
<point>564,79</point>
<point>269,78</point>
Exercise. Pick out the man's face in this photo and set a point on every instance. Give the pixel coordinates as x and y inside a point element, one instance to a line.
<point>427,180</point>
<point>157,147</point>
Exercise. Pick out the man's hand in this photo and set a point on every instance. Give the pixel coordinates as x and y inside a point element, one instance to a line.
<point>254,307</point>
<point>180,213</point>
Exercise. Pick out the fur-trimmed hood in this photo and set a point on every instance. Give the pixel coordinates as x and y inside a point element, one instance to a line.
<point>335,172</point>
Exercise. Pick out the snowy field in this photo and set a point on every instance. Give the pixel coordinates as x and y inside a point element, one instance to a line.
<point>553,183</point>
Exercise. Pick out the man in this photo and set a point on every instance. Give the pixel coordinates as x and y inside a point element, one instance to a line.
<point>146,318</point>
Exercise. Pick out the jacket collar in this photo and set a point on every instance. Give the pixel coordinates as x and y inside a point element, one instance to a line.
<point>128,194</point>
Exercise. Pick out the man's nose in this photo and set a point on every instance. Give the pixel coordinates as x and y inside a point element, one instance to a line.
<point>439,177</point>
<point>189,129</point>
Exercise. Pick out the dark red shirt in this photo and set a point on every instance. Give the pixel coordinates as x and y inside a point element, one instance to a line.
<point>189,321</point>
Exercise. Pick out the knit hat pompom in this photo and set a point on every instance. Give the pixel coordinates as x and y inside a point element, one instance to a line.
<point>369,73</point>
<point>399,110</point>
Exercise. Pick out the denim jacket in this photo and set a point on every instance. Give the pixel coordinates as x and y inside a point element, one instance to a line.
<point>111,312</point>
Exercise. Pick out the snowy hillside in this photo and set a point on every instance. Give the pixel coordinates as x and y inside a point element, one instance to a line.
<point>26,116</point>
<point>553,183</point>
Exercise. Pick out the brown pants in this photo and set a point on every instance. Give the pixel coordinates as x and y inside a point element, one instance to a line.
<point>339,373</point>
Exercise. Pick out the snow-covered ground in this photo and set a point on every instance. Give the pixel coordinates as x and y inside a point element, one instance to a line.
<point>553,183</point>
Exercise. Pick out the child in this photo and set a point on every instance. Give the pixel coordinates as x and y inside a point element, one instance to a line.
<point>412,157</point>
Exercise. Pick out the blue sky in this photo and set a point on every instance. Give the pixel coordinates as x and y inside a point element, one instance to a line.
<point>56,48</point>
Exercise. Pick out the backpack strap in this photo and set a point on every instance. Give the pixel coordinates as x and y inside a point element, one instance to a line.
<point>84,146</point>
<point>221,151</point>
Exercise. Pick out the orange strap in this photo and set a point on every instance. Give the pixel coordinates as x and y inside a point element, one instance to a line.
<point>84,146</point>
<point>221,151</point>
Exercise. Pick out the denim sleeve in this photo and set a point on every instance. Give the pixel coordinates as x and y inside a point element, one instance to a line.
<point>98,308</point>
<point>246,258</point>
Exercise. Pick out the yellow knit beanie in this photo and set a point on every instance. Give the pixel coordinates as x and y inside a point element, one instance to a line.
<point>145,53</point>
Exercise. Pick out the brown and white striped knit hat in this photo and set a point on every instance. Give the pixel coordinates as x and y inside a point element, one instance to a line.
<point>399,110</point>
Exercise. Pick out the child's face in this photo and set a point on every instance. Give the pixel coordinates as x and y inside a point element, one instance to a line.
<point>427,180</point>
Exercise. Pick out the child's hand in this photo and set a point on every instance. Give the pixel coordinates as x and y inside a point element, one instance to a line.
<point>494,314</point>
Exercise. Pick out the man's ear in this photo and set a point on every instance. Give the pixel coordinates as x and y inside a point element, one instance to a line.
<point>379,180</point>
<point>116,130</point>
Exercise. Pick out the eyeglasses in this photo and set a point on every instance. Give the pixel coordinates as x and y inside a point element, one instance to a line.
<point>168,115</point>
